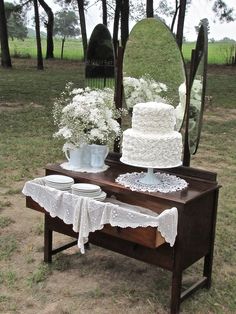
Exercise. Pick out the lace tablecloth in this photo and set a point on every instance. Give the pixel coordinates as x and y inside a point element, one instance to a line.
<point>87,215</point>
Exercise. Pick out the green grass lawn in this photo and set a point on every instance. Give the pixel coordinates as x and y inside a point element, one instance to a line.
<point>218,53</point>
<point>27,145</point>
<point>73,49</point>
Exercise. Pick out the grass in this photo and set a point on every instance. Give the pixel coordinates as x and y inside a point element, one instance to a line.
<point>26,145</point>
<point>73,49</point>
<point>38,87</point>
<point>32,118</point>
<point>4,204</point>
<point>218,52</point>
<point>5,221</point>
<point>39,275</point>
<point>222,88</point>
<point>9,278</point>
<point>8,246</point>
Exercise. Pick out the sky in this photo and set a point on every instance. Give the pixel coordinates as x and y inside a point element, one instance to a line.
<point>198,10</point>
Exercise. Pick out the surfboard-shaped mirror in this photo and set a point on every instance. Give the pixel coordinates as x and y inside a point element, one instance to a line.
<point>197,89</point>
<point>153,67</point>
<point>99,67</point>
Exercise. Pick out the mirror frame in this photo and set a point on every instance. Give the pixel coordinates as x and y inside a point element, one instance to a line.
<point>199,55</point>
<point>196,57</point>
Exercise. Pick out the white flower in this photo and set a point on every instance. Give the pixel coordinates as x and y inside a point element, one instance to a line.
<point>143,89</point>
<point>65,132</point>
<point>86,116</point>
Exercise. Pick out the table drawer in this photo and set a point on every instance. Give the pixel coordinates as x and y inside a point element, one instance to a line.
<point>148,236</point>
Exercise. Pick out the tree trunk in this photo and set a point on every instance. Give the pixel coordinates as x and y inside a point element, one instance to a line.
<point>104,12</point>
<point>124,22</point>
<point>38,38</point>
<point>49,26</point>
<point>180,25</point>
<point>83,26</point>
<point>6,58</point>
<point>149,8</point>
<point>62,47</point>
<point>175,15</point>
<point>116,26</point>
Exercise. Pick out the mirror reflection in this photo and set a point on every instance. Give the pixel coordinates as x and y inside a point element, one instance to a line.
<point>99,68</point>
<point>153,68</point>
<point>197,93</point>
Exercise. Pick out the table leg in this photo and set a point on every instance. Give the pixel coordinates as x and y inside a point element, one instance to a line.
<point>208,260</point>
<point>47,241</point>
<point>176,291</point>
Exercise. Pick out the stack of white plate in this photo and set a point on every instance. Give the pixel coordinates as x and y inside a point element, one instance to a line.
<point>59,182</point>
<point>88,190</point>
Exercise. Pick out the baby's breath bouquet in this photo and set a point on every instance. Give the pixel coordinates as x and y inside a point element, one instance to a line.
<point>86,116</point>
<point>144,89</point>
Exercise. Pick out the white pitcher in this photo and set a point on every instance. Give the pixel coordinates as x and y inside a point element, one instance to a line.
<point>75,157</point>
<point>98,155</point>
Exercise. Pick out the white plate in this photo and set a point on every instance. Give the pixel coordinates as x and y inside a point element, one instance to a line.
<point>93,194</point>
<point>86,187</point>
<point>100,197</point>
<point>58,184</point>
<point>59,179</point>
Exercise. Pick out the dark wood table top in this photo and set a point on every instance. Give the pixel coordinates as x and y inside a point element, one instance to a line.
<point>199,183</point>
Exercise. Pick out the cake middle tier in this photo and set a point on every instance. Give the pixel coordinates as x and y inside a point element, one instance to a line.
<point>152,150</point>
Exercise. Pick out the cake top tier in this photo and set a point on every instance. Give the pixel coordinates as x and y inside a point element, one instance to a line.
<point>153,117</point>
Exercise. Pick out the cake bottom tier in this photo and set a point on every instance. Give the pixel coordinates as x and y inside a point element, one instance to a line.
<point>152,150</point>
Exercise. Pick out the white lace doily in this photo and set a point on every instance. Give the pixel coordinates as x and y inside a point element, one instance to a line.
<point>67,166</point>
<point>168,183</point>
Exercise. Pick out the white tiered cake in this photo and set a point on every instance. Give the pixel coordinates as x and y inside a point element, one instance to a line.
<point>152,141</point>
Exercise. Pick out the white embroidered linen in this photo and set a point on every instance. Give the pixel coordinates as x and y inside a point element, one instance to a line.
<point>88,215</point>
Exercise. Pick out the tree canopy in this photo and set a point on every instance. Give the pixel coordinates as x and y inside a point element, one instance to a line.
<point>66,24</point>
<point>16,21</point>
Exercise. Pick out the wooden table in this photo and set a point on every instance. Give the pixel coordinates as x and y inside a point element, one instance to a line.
<point>197,208</point>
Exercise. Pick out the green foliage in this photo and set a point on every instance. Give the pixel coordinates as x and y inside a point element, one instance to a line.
<point>223,11</point>
<point>66,24</point>
<point>100,45</point>
<point>203,22</point>
<point>16,21</point>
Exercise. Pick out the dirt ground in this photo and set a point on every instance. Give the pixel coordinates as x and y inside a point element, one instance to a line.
<point>98,282</point>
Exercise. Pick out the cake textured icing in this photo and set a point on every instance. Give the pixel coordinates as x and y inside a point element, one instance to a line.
<point>152,118</point>
<point>152,141</point>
